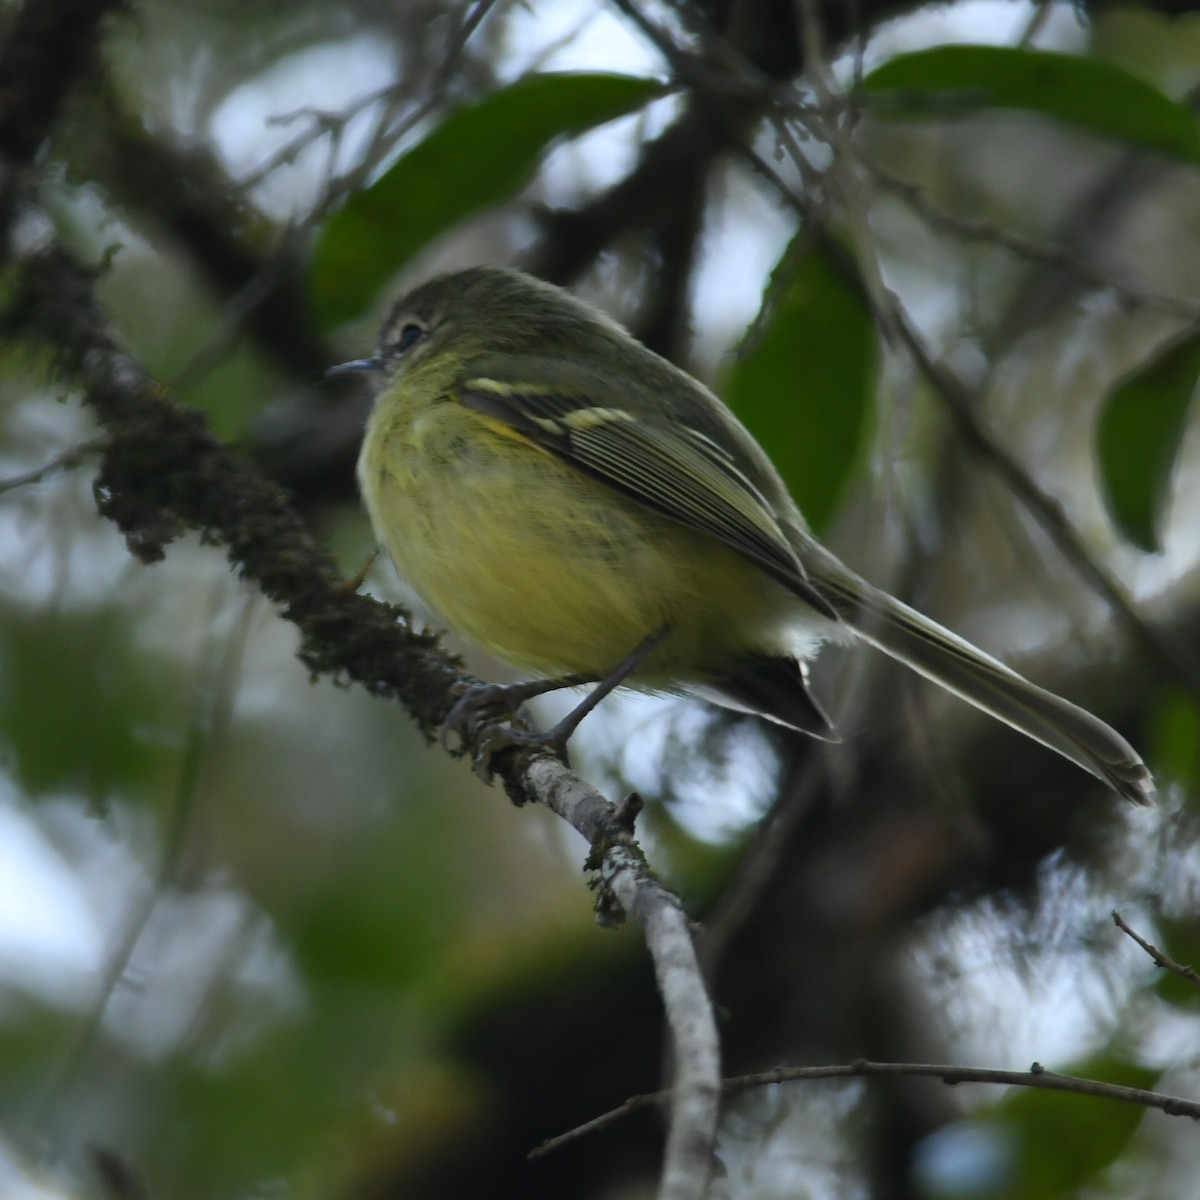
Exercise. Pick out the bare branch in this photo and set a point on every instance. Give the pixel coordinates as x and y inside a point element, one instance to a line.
<point>49,46</point>
<point>387,132</point>
<point>60,462</point>
<point>627,881</point>
<point>1177,660</point>
<point>1157,956</point>
<point>961,401</point>
<point>1046,254</point>
<point>162,471</point>
<point>1037,1077</point>
<point>894,323</point>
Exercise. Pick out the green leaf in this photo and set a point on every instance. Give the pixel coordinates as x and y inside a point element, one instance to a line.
<point>1174,737</point>
<point>1138,438</point>
<point>804,386</point>
<point>1062,1141</point>
<point>477,156</point>
<point>1086,92</point>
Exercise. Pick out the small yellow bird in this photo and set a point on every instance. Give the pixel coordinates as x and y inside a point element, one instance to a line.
<point>589,513</point>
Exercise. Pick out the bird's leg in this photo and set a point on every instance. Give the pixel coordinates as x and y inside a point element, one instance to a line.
<point>556,738</point>
<point>490,700</point>
<point>481,706</point>
<point>360,577</point>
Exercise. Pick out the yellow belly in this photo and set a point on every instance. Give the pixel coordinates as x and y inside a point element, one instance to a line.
<point>546,568</point>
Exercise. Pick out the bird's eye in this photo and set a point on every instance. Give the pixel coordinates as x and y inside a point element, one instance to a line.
<point>409,335</point>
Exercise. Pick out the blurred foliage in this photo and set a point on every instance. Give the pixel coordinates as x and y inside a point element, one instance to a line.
<point>257,939</point>
<point>1139,437</point>
<point>1037,1151</point>
<point>1090,93</point>
<point>1057,1158</point>
<point>815,347</point>
<point>477,156</point>
<point>1179,939</point>
<point>1176,732</point>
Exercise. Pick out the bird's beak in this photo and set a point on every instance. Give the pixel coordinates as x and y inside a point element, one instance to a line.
<point>356,366</point>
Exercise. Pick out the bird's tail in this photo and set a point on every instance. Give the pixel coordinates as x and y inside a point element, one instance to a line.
<point>961,668</point>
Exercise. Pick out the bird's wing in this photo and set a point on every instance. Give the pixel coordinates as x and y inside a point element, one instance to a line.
<point>666,466</point>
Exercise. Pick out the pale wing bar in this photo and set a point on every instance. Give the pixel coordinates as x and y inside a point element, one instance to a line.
<point>685,478</point>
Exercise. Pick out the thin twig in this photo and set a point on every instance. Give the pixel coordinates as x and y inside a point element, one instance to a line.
<point>1046,254</point>
<point>272,272</point>
<point>1036,1077</point>
<point>836,133</point>
<point>721,72</point>
<point>893,321</point>
<point>61,462</point>
<point>1156,955</point>
<point>218,675</point>
<point>386,134</point>
<point>1042,11</point>
<point>960,401</point>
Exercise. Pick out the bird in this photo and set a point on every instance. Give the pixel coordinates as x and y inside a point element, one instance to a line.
<point>589,513</point>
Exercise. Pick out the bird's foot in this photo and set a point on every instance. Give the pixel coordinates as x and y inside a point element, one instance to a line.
<point>488,717</point>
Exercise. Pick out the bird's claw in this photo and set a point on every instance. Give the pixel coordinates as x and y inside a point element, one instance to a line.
<point>488,716</point>
<point>476,707</point>
<point>497,737</point>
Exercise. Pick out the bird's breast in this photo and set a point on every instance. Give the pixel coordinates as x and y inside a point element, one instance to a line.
<point>541,565</point>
